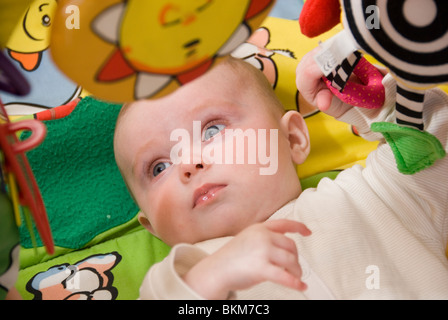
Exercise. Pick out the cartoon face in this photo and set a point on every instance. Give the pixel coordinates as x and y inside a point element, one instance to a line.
<point>183,23</point>
<point>128,50</point>
<point>32,35</point>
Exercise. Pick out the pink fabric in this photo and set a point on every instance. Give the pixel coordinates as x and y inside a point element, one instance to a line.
<point>367,94</point>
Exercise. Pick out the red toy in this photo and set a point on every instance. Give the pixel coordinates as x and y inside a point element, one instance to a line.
<point>319,16</point>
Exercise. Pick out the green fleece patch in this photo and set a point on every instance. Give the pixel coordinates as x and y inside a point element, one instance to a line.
<point>414,150</point>
<point>80,183</point>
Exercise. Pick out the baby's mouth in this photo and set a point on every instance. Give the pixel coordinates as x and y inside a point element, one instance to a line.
<point>206,193</point>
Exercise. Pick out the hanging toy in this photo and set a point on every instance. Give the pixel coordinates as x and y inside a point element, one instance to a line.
<point>410,38</point>
<point>127,50</point>
<point>20,198</point>
<point>17,179</point>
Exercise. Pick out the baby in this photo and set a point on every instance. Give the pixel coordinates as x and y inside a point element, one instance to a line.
<point>238,233</point>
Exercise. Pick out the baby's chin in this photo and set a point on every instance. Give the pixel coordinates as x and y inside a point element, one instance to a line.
<point>218,234</point>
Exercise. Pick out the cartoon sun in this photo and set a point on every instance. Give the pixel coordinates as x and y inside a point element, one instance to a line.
<point>158,45</point>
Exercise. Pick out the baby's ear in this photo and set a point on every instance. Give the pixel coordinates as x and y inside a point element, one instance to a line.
<point>294,126</point>
<point>144,221</point>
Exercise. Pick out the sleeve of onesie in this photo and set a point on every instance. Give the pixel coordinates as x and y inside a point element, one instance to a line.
<point>164,279</point>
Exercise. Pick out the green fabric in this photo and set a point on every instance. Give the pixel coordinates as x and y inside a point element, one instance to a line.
<point>414,150</point>
<point>80,183</point>
<point>33,256</point>
<point>313,181</point>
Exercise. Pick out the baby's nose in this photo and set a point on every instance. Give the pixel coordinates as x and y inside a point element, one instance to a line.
<point>188,170</point>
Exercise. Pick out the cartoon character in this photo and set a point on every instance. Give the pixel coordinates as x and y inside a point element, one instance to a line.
<point>28,49</point>
<point>410,39</point>
<point>255,52</point>
<point>88,279</point>
<point>127,50</point>
<point>30,38</point>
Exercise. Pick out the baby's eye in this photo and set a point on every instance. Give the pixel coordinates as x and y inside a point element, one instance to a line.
<point>159,168</point>
<point>212,131</point>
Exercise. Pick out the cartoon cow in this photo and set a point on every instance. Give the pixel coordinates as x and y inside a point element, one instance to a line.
<point>88,279</point>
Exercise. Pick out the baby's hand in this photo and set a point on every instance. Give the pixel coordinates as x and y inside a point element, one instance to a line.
<point>313,89</point>
<point>259,253</point>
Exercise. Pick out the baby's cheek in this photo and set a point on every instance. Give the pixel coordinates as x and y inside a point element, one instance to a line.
<point>168,217</point>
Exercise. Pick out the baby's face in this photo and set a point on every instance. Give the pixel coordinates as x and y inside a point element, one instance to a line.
<point>184,162</point>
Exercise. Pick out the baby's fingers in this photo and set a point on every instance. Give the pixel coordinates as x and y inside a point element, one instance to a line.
<point>288,261</point>
<point>288,226</point>
<point>284,277</point>
<point>285,255</point>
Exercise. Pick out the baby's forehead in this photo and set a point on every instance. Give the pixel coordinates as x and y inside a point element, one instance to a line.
<point>178,108</point>
<point>188,100</point>
<point>213,90</point>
